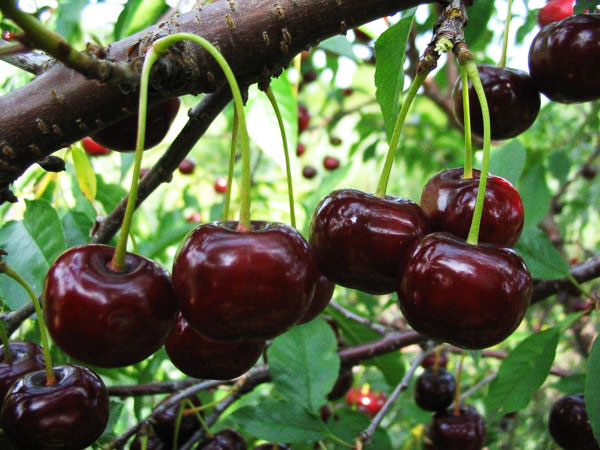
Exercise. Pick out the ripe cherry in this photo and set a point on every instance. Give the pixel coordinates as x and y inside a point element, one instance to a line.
<point>303,118</point>
<point>121,136</point>
<point>164,424</point>
<point>309,172</point>
<point>429,361</point>
<point>463,432</point>
<point>513,101</point>
<point>569,425</point>
<point>448,201</point>
<point>589,172</point>
<point>366,400</point>
<point>473,296</point>
<point>320,299</point>
<point>434,391</point>
<point>220,185</point>
<point>227,439</point>
<point>244,285</point>
<point>103,317</point>
<point>92,148</point>
<point>300,149</point>
<point>68,415</point>
<point>201,357</point>
<point>331,163</point>
<point>564,58</point>
<point>153,442</point>
<point>359,240</point>
<point>555,11</point>
<point>186,167</point>
<point>27,357</point>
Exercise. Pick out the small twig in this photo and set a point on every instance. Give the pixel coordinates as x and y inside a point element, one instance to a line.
<point>359,319</point>
<point>13,320</point>
<point>477,387</point>
<point>161,387</point>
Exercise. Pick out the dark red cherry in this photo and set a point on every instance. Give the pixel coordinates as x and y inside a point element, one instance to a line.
<point>331,163</point>
<point>569,425</point>
<point>434,391</point>
<point>270,446</point>
<point>309,172</point>
<point>448,201</point>
<point>309,76</point>
<point>564,59</point>
<point>69,415</point>
<point>220,185</point>
<point>303,118</point>
<point>464,432</point>
<point>186,167</point>
<point>320,299</point>
<point>473,296</point>
<point>107,318</point>
<point>589,172</point>
<point>121,136</point>
<point>300,149</point>
<point>342,385</point>
<point>513,101</point>
<point>92,148</point>
<point>248,285</point>
<point>227,439</point>
<point>27,357</point>
<point>201,357</point>
<point>164,424</point>
<point>429,361</point>
<point>555,11</point>
<point>359,240</point>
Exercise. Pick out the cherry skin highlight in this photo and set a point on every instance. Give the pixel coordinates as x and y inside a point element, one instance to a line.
<point>201,357</point>
<point>464,432</point>
<point>448,201</point>
<point>27,357</point>
<point>69,415</point>
<point>435,391</point>
<point>569,425</point>
<point>244,285</point>
<point>107,318</point>
<point>359,240</point>
<point>472,296</point>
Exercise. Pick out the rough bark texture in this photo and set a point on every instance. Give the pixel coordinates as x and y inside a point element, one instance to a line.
<point>257,37</point>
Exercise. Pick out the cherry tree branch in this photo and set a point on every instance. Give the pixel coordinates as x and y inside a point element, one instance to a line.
<point>161,387</point>
<point>31,62</point>
<point>358,319</point>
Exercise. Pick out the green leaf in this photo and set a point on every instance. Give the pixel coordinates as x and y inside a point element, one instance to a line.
<point>559,164</point>
<point>279,421</point>
<point>44,227</point>
<point>535,195</point>
<point>77,227</point>
<point>592,389</point>
<point>69,19</point>
<point>109,194</point>
<point>542,258</point>
<point>522,373</point>
<point>479,16</point>
<point>127,159</point>
<point>339,45</point>
<point>137,15</point>
<point>172,228</point>
<point>116,408</point>
<point>86,178</point>
<point>508,161</point>
<point>390,53</point>
<point>582,5</point>
<point>573,384</point>
<point>349,424</point>
<point>304,364</point>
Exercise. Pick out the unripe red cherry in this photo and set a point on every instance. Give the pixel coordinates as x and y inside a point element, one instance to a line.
<point>300,149</point>
<point>303,118</point>
<point>555,11</point>
<point>366,400</point>
<point>309,172</point>
<point>92,148</point>
<point>194,218</point>
<point>331,163</point>
<point>186,167</point>
<point>220,185</point>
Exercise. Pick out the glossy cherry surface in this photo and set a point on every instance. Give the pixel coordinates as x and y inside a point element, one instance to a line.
<point>27,357</point>
<point>303,118</point>
<point>320,299</point>
<point>248,285</point>
<point>69,415</point>
<point>107,318</point>
<point>121,136</point>
<point>309,172</point>
<point>448,201</point>
<point>564,59</point>
<point>342,385</point>
<point>464,432</point>
<point>473,296</point>
<point>186,167</point>
<point>359,240</point>
<point>92,148</point>
<point>201,357</point>
<point>220,185</point>
<point>331,163</point>
<point>164,424</point>
<point>513,101</point>
<point>569,425</point>
<point>434,391</point>
<point>227,439</point>
<point>554,11</point>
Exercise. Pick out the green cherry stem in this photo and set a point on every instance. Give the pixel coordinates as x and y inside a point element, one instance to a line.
<point>234,137</point>
<point>468,173</point>
<point>288,170</point>
<point>178,420</point>
<point>473,74</point>
<point>9,271</point>
<point>502,62</point>
<point>201,420</point>
<point>144,442</point>
<point>8,354</point>
<point>391,154</point>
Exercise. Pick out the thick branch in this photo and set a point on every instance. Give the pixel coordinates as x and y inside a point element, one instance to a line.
<point>583,272</point>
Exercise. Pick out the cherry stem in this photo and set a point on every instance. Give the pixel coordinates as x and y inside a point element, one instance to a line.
<point>391,154</point>
<point>468,173</point>
<point>459,372</point>
<point>288,170</point>
<point>502,62</point>
<point>437,357</point>
<point>8,354</point>
<point>144,442</point>
<point>201,420</point>
<point>118,261</point>
<point>50,378</point>
<point>178,420</point>
<point>234,137</point>
<point>473,74</point>
<point>580,288</point>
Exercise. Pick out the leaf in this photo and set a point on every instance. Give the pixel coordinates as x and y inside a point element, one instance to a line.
<point>109,194</point>
<point>304,364</point>
<point>69,18</point>
<point>45,229</point>
<point>592,389</point>
<point>127,159</point>
<point>86,178</point>
<point>508,161</point>
<point>137,15</point>
<point>340,45</point>
<point>279,421</point>
<point>535,195</point>
<point>172,228</point>
<point>573,384</point>
<point>77,228</point>
<point>390,53</point>
<point>116,408</point>
<point>479,16</point>
<point>348,424</point>
<point>522,373</point>
<point>542,258</point>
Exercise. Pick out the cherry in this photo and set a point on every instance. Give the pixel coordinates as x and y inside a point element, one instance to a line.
<point>448,201</point>
<point>27,357</point>
<point>164,424</point>
<point>153,443</point>
<point>186,167</point>
<point>342,385</point>
<point>320,299</point>
<point>347,92</point>
<point>270,446</point>
<point>227,439</point>
<point>300,149</point>
<point>434,391</point>
<point>335,141</point>
<point>309,76</point>
<point>513,100</point>
<point>249,285</point>
<point>555,11</point>
<point>564,58</point>
<point>429,361</point>
<point>201,357</point>
<point>569,425</point>
<point>309,172</point>
<point>589,172</point>
<point>103,317</point>
<point>463,432</point>
<point>473,296</point>
<point>303,118</point>
<point>366,400</point>
<point>331,163</point>
<point>359,239</point>
<point>220,185</point>
<point>68,415</point>
<point>92,148</point>
<point>194,218</point>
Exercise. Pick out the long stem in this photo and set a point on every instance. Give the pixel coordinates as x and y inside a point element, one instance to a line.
<point>288,170</point>
<point>473,74</point>
<point>459,372</point>
<point>50,378</point>
<point>391,154</point>
<point>502,62</point>
<point>232,152</point>
<point>178,420</point>
<point>468,173</point>
<point>8,354</point>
